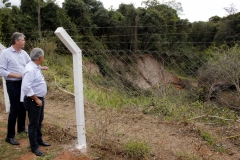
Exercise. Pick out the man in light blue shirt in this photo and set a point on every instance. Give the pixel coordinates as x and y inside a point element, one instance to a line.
<point>34,89</point>
<point>12,63</point>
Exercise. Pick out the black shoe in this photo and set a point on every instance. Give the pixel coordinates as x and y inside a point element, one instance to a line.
<point>38,153</point>
<point>12,141</point>
<point>25,131</point>
<point>44,143</point>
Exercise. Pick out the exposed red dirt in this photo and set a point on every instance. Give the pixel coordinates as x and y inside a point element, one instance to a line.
<point>70,156</point>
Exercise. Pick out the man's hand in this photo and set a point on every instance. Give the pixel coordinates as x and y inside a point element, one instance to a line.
<point>15,75</point>
<point>44,68</point>
<point>19,75</point>
<point>39,102</point>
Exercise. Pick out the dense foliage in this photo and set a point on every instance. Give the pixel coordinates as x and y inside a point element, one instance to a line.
<point>155,27</point>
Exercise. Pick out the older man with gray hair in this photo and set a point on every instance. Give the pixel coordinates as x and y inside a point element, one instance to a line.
<point>34,89</point>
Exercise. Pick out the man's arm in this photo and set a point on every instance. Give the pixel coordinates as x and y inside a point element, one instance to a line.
<point>27,83</point>
<point>44,68</point>
<point>37,100</point>
<point>14,75</point>
<point>3,68</point>
<point>3,65</point>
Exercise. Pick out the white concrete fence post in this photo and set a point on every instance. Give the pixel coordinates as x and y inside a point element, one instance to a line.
<point>6,98</point>
<point>78,85</point>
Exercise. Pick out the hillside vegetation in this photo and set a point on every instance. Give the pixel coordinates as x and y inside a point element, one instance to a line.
<point>125,121</point>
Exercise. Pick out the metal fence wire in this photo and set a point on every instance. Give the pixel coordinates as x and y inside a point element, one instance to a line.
<point>154,74</point>
<point>143,104</point>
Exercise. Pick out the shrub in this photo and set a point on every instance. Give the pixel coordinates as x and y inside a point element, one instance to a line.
<point>137,149</point>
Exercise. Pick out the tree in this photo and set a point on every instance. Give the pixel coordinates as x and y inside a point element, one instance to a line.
<point>110,34</point>
<point>6,25</point>
<point>176,6</point>
<point>99,16</point>
<point>202,34</point>
<point>230,10</point>
<point>5,3</point>
<point>93,5</point>
<point>158,23</point>
<point>222,68</point>
<point>151,3</point>
<point>214,19</point>
<point>29,9</point>
<point>129,22</point>
<point>80,15</point>
<point>228,30</point>
<point>54,17</point>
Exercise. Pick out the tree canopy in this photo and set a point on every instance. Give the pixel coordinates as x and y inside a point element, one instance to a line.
<point>154,27</point>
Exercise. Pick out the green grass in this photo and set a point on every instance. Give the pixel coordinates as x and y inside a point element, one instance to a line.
<point>206,136</point>
<point>212,141</point>
<point>3,148</point>
<point>137,149</point>
<point>11,152</point>
<point>109,98</point>
<point>50,154</point>
<point>3,125</point>
<point>21,135</point>
<point>186,156</point>
<point>219,148</point>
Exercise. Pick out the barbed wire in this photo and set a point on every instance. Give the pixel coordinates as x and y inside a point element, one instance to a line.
<point>150,26</point>
<point>130,35</point>
<point>112,36</point>
<point>156,42</point>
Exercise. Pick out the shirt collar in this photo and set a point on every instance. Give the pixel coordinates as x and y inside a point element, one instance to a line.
<point>34,65</point>
<point>13,50</point>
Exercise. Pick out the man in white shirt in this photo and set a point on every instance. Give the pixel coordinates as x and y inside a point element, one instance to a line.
<point>12,63</point>
<point>34,89</point>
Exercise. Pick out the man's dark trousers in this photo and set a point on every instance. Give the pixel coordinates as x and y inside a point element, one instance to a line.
<point>35,115</point>
<point>17,110</point>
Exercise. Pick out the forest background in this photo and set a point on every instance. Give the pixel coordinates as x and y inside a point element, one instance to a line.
<point>188,49</point>
<point>155,27</point>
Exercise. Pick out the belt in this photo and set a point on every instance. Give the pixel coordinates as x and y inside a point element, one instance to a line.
<point>12,81</point>
<point>31,98</point>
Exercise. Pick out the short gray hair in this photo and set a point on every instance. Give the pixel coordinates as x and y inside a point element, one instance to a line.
<point>36,53</point>
<point>16,36</point>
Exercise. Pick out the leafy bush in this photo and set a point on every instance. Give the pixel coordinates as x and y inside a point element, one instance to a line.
<point>222,68</point>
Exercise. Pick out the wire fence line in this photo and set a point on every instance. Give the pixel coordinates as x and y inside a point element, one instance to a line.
<point>144,83</point>
<point>149,83</point>
<point>152,73</point>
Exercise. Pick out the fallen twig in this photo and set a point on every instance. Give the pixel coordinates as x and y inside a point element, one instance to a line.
<point>62,88</point>
<point>221,118</point>
<point>233,136</point>
<point>207,115</point>
<point>203,115</point>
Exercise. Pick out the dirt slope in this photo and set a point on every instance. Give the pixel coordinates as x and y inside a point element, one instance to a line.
<point>145,72</point>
